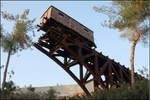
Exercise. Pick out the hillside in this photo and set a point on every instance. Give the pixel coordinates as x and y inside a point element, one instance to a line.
<point>63,90</point>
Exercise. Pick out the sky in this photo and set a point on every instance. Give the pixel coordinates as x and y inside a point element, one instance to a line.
<point>33,67</point>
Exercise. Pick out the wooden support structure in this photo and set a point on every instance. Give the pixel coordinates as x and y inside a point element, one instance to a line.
<point>75,51</point>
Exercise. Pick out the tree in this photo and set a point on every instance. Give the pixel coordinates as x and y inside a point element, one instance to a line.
<point>130,17</point>
<point>30,88</point>
<point>51,94</point>
<point>18,39</point>
<point>9,88</point>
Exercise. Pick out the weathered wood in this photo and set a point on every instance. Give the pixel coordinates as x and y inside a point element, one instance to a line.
<point>72,63</point>
<point>81,72</point>
<point>64,67</point>
<point>61,41</point>
<point>61,17</point>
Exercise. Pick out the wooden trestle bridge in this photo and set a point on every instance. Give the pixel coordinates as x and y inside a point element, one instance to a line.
<point>63,40</point>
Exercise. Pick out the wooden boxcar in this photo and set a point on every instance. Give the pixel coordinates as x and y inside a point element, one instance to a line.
<point>67,21</point>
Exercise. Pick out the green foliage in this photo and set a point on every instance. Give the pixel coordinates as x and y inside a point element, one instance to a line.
<point>131,17</point>
<point>19,38</point>
<point>9,88</point>
<point>25,96</point>
<point>80,98</point>
<point>139,91</point>
<point>51,94</point>
<point>30,88</point>
<point>17,94</point>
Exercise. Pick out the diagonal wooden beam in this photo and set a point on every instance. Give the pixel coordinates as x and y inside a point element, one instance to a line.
<point>87,74</point>
<point>88,81</point>
<point>63,66</point>
<point>88,67</point>
<point>116,73</point>
<point>102,68</point>
<point>56,48</point>
<point>44,39</point>
<point>124,74</point>
<point>44,44</point>
<point>72,63</point>
<point>89,55</point>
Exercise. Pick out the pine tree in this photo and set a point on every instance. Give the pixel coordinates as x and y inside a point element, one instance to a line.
<point>18,39</point>
<point>132,19</point>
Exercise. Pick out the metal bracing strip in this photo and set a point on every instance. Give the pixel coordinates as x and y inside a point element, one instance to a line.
<point>64,67</point>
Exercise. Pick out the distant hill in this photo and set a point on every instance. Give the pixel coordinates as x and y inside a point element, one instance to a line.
<point>63,90</point>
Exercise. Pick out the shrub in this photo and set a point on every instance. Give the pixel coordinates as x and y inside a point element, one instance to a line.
<point>30,88</point>
<point>9,88</point>
<point>51,94</point>
<point>139,91</point>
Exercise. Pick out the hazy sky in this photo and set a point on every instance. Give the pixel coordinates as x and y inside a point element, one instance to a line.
<point>33,67</point>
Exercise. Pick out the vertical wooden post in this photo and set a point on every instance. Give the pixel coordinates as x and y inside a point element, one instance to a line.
<point>95,85</point>
<point>81,72</point>
<point>96,72</point>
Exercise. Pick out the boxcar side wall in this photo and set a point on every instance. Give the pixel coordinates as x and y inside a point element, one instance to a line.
<point>47,15</point>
